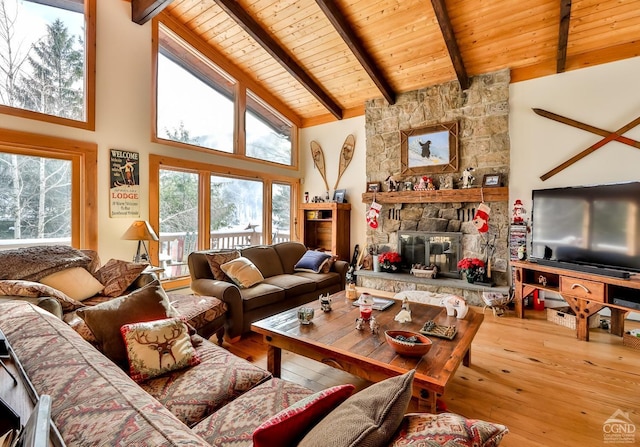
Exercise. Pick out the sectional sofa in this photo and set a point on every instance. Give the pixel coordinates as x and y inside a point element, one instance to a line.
<point>222,401</point>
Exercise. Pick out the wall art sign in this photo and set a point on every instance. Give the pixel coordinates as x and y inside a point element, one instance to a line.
<point>124,190</point>
<point>431,149</point>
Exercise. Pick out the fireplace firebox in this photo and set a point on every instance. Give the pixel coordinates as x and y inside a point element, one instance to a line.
<point>442,249</point>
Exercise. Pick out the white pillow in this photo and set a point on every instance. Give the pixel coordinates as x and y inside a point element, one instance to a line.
<point>76,283</point>
<point>242,272</point>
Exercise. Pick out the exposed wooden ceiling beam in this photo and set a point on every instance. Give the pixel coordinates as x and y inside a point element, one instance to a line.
<point>563,35</point>
<point>235,11</point>
<point>144,10</point>
<point>345,31</point>
<point>450,40</point>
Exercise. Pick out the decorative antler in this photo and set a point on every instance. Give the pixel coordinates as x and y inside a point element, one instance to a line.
<point>143,339</point>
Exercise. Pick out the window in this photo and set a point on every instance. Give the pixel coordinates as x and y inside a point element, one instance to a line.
<point>178,220</point>
<point>47,193</point>
<point>268,133</point>
<point>280,212</point>
<point>236,212</point>
<point>47,68</point>
<point>204,106</point>
<point>200,206</point>
<point>197,112</point>
<point>35,198</point>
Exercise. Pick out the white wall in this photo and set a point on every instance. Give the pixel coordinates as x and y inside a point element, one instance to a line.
<point>605,96</point>
<point>331,137</point>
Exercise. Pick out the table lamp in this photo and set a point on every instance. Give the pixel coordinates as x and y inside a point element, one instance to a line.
<point>140,231</point>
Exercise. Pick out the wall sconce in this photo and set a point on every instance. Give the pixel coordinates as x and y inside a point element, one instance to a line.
<point>140,231</point>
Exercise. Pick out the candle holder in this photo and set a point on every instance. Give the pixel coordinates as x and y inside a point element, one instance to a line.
<point>305,315</point>
<point>366,306</point>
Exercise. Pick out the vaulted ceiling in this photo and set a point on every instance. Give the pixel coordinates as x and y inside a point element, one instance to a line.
<point>323,59</point>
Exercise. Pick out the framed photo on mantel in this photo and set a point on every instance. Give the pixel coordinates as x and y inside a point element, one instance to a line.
<point>431,149</point>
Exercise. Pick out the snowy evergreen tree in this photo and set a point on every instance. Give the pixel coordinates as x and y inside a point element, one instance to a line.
<point>54,86</point>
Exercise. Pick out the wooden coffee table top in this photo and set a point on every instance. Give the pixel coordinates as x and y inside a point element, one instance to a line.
<point>333,339</point>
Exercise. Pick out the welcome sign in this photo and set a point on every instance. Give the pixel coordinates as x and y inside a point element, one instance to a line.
<point>124,191</point>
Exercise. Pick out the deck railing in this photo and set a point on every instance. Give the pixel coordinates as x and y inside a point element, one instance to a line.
<point>175,247</point>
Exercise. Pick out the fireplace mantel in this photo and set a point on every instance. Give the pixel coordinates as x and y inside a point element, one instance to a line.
<point>494,194</point>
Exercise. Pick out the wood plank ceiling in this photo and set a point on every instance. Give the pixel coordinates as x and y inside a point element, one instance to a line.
<point>350,51</point>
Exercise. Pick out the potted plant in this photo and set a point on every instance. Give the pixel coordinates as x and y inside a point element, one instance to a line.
<point>473,268</point>
<point>389,262</point>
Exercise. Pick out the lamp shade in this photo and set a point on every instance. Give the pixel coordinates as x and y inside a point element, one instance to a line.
<point>140,230</point>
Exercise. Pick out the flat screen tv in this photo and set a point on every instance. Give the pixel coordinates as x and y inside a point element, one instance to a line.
<point>595,227</point>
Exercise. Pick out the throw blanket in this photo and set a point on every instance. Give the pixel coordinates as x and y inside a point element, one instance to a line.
<point>34,263</point>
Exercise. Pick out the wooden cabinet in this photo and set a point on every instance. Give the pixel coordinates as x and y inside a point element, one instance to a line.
<point>586,293</point>
<point>327,226</point>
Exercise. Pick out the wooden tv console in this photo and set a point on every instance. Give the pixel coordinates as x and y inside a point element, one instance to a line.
<point>586,293</point>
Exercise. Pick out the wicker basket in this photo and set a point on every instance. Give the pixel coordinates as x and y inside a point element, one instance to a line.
<point>564,316</point>
<point>422,273</point>
<point>631,340</point>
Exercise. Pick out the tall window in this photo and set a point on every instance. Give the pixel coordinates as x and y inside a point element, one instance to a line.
<point>47,193</point>
<point>45,68</point>
<point>268,133</point>
<point>178,220</point>
<point>201,206</point>
<point>201,105</point>
<point>280,212</point>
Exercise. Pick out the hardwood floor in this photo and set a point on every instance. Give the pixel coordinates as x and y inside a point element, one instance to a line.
<point>532,375</point>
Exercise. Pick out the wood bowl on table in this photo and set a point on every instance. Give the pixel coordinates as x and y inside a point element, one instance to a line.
<point>407,343</point>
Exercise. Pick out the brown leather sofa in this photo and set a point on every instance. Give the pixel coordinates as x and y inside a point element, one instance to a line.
<point>282,288</point>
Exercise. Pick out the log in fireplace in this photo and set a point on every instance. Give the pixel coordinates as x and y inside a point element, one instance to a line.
<point>442,249</point>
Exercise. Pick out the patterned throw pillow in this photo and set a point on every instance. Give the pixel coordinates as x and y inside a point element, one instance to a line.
<point>287,427</point>
<point>312,261</point>
<point>117,276</point>
<point>148,303</point>
<point>30,289</point>
<point>242,272</point>
<point>369,417</point>
<point>75,282</point>
<point>215,260</point>
<point>94,264</point>
<point>157,347</point>
<point>447,429</point>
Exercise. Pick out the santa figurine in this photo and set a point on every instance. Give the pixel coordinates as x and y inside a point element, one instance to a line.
<point>422,184</point>
<point>518,212</point>
<point>430,186</point>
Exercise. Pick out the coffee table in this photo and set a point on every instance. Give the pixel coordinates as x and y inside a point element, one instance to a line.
<point>332,339</point>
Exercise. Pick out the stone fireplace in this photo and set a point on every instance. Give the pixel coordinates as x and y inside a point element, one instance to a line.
<point>482,113</point>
